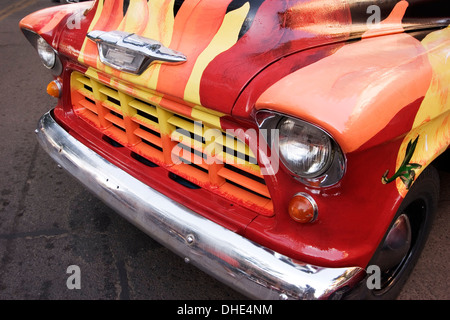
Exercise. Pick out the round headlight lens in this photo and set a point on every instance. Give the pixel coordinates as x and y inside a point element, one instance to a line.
<point>304,149</point>
<point>46,53</point>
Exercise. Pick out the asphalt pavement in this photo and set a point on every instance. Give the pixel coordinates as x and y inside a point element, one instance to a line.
<point>49,222</point>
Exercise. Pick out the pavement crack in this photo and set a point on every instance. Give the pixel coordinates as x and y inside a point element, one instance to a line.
<point>34,234</point>
<point>26,186</point>
<point>124,293</point>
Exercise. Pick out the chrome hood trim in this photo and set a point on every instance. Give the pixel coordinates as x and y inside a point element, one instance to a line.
<point>143,51</point>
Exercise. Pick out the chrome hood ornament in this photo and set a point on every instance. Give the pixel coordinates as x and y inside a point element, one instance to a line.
<point>130,52</point>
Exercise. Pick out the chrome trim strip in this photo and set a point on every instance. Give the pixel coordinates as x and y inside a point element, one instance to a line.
<point>255,271</point>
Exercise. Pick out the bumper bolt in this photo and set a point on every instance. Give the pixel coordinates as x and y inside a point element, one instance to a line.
<point>190,239</point>
<point>283,296</point>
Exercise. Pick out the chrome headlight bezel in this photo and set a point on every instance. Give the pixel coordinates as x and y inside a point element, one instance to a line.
<point>37,42</point>
<point>332,167</point>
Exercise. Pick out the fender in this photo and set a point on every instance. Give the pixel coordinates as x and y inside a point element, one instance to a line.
<point>432,121</point>
<point>377,97</point>
<point>374,91</point>
<point>51,23</point>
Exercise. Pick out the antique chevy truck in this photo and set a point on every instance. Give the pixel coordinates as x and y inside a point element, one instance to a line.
<point>284,147</point>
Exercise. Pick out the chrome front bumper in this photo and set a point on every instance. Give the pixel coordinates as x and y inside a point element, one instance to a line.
<point>249,268</point>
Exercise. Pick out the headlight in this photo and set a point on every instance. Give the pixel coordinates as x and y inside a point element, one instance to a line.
<point>304,149</point>
<point>46,53</point>
<point>308,152</point>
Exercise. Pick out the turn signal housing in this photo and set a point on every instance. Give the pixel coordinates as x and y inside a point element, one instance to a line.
<point>54,88</point>
<point>303,208</point>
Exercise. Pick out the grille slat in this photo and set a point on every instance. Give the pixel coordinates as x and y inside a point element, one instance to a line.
<point>84,80</point>
<point>182,123</point>
<point>224,165</point>
<point>110,93</point>
<point>146,108</point>
<point>89,105</point>
<point>88,94</point>
<point>144,134</point>
<point>115,120</point>
<point>249,183</point>
<point>234,144</point>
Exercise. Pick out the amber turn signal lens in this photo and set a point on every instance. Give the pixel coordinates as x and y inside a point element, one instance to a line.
<point>54,88</point>
<point>303,208</point>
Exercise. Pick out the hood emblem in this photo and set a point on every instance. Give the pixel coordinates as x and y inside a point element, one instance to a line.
<point>132,53</point>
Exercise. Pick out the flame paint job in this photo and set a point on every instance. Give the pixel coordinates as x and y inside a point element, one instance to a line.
<point>374,89</point>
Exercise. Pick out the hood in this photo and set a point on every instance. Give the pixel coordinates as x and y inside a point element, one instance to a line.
<point>227,42</point>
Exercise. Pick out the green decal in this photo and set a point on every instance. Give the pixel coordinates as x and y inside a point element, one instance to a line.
<point>406,171</point>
